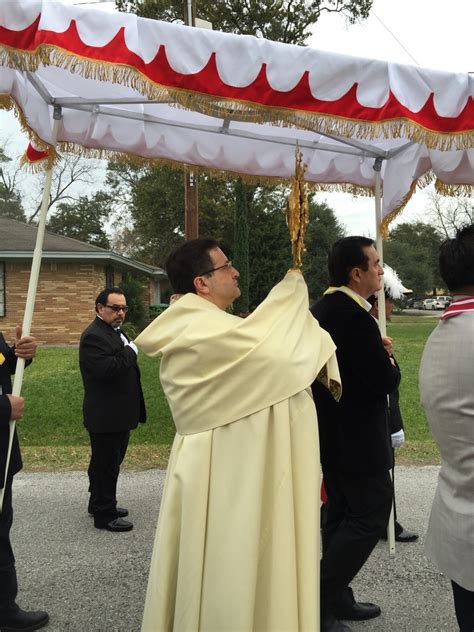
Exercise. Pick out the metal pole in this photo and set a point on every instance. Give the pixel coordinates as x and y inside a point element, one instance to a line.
<point>379,243</point>
<point>382,314</point>
<point>33,284</point>
<point>191,209</point>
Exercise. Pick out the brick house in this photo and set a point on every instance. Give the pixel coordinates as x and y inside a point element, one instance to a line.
<point>72,274</point>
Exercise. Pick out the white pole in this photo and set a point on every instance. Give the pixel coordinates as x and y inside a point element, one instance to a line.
<point>379,245</point>
<point>33,284</point>
<point>382,314</point>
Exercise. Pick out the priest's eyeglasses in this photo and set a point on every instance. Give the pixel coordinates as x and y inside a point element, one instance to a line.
<point>227,264</point>
<point>118,308</point>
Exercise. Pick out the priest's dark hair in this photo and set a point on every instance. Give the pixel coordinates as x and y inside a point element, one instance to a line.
<point>456,259</point>
<point>188,261</point>
<point>347,253</point>
<point>103,296</point>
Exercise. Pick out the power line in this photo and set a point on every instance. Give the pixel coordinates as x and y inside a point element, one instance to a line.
<point>394,37</point>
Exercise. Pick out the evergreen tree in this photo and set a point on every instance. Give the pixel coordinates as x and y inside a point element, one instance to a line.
<point>133,289</point>
<point>10,200</point>
<point>83,219</point>
<point>412,249</point>
<point>323,230</point>
<point>241,246</point>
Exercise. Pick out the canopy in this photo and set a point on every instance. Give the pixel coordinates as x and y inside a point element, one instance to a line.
<point>111,83</point>
<point>233,103</point>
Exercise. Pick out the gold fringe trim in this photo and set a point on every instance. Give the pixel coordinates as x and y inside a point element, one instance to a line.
<point>106,154</point>
<point>421,183</point>
<point>238,110</point>
<point>9,104</point>
<point>42,165</point>
<point>388,219</point>
<point>341,187</point>
<point>454,190</point>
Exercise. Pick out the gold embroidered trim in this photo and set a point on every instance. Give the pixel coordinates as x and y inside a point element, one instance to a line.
<point>334,387</point>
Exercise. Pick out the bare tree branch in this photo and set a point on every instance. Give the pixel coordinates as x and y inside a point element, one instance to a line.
<point>448,215</point>
<point>71,171</point>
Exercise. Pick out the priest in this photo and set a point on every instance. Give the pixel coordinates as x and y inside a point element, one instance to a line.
<point>236,546</point>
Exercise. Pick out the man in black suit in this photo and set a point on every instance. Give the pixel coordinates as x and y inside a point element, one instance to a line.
<point>113,404</point>
<point>356,453</point>
<point>12,617</point>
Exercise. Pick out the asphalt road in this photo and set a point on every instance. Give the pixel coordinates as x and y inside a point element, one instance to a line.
<point>94,581</point>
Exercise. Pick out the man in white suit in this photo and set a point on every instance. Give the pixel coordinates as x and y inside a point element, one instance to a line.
<point>447,395</point>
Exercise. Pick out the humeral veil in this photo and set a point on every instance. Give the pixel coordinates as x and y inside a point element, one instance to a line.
<point>237,544</point>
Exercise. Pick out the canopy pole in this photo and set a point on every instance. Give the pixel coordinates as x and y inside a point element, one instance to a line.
<point>382,314</point>
<point>191,199</point>
<point>33,284</point>
<point>379,243</point>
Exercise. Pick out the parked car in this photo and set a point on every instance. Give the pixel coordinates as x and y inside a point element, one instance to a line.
<point>444,300</point>
<point>431,303</point>
<point>415,303</point>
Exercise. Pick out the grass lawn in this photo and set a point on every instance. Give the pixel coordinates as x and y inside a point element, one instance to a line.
<point>409,334</point>
<point>51,431</point>
<point>53,436</point>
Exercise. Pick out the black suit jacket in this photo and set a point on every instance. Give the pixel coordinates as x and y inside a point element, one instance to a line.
<point>113,397</point>
<point>7,367</point>
<point>354,433</point>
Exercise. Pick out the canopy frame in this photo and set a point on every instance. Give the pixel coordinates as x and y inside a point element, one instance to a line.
<point>354,146</point>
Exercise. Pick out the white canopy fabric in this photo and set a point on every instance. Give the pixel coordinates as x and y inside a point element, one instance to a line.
<point>233,103</point>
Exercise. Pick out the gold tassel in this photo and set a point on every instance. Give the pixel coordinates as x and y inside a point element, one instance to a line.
<point>297,210</point>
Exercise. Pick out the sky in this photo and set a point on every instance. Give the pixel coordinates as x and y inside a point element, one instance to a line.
<point>429,33</point>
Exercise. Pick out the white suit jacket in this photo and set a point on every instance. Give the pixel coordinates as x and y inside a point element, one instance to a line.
<point>447,395</point>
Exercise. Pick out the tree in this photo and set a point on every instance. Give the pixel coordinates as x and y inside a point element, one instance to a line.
<point>287,21</point>
<point>269,249</point>
<point>323,230</point>
<point>449,215</point>
<point>152,207</point>
<point>412,250</point>
<point>70,172</point>
<point>83,219</point>
<point>10,200</point>
<point>133,290</point>
<point>241,246</point>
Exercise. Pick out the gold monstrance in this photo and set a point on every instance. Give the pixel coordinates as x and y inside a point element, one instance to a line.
<point>297,210</point>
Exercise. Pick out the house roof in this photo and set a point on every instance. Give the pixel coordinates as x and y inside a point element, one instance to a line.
<point>17,241</point>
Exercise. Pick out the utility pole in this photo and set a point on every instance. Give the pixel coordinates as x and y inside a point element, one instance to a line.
<point>191,211</point>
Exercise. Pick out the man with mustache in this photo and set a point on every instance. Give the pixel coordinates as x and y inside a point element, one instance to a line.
<point>113,404</point>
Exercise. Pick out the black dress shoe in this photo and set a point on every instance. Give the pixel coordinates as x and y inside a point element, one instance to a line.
<point>118,524</point>
<point>406,536</point>
<point>329,623</point>
<point>357,611</point>
<point>17,619</point>
<point>121,512</point>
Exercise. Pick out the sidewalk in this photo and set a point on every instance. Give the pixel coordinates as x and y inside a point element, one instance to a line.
<point>94,581</point>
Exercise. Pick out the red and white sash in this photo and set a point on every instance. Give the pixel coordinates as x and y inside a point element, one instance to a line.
<point>459,306</point>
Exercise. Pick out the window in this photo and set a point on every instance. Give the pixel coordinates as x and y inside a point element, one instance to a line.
<point>2,289</point>
<point>109,276</point>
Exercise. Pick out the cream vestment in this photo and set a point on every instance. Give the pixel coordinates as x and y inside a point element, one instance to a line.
<point>237,543</point>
